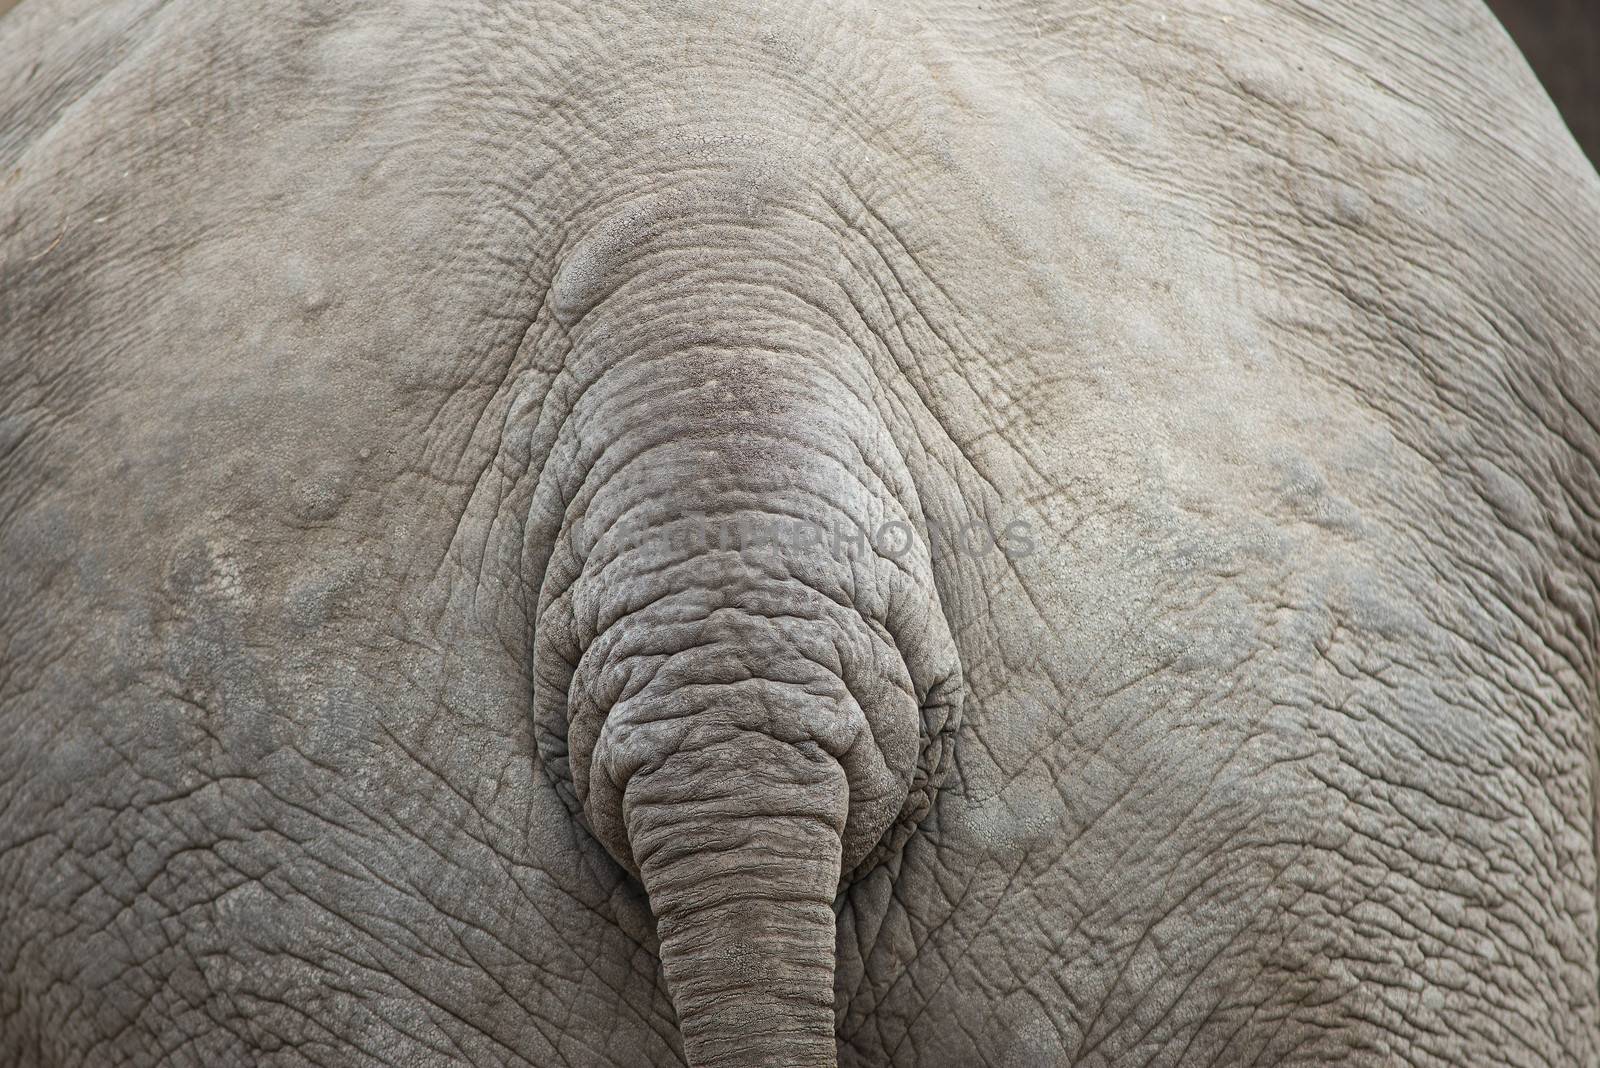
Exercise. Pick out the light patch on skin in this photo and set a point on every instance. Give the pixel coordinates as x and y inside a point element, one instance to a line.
<point>209,569</point>
<point>317,496</point>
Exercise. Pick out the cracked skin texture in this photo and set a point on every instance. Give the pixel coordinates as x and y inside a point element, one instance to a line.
<point>1276,323</point>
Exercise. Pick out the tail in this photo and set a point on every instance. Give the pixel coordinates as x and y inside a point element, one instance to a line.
<point>742,726</point>
<point>738,845</point>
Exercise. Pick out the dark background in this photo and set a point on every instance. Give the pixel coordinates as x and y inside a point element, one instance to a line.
<point>1561,39</point>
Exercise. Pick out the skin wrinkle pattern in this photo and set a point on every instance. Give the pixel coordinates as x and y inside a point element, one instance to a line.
<point>710,533</point>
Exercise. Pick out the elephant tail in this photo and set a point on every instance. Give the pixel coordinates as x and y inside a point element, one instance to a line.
<point>744,682</point>
<point>744,743</point>
<point>739,845</point>
<point>744,736</point>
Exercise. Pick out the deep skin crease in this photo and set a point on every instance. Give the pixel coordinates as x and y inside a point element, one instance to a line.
<point>340,344</point>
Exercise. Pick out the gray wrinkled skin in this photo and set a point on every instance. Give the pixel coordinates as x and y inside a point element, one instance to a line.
<point>341,345</point>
